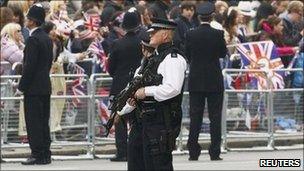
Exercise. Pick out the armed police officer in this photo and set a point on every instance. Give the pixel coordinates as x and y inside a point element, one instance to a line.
<point>158,103</point>
<point>204,46</point>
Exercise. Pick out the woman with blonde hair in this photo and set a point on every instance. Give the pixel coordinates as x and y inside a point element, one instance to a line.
<point>58,11</point>
<point>12,43</point>
<point>60,18</point>
<point>221,7</point>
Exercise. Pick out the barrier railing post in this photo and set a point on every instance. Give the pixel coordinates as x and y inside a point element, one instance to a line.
<point>270,125</point>
<point>224,116</point>
<point>93,114</point>
<point>5,116</point>
<point>180,137</point>
<point>224,122</point>
<point>90,104</point>
<point>5,125</point>
<point>180,141</point>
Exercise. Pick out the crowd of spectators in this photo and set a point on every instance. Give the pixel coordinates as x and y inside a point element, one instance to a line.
<point>85,30</point>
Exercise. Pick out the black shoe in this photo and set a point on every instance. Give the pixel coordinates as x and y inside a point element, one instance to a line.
<point>195,154</point>
<point>43,162</point>
<point>215,158</point>
<point>193,158</point>
<point>48,160</point>
<point>118,159</point>
<point>32,161</point>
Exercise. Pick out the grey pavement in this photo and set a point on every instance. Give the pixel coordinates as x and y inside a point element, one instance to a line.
<point>232,161</point>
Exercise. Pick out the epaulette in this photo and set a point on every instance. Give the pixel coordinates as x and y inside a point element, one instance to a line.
<point>174,53</point>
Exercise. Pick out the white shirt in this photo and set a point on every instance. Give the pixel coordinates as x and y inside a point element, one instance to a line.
<point>32,30</point>
<point>173,72</point>
<point>216,25</point>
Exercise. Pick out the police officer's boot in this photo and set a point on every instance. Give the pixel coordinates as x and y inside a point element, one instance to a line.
<point>118,159</point>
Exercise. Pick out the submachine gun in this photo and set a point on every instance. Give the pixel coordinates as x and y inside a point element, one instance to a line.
<point>119,101</point>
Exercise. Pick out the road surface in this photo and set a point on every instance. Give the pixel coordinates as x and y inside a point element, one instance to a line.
<point>232,161</point>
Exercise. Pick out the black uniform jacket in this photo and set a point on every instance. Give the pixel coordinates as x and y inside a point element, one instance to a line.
<point>37,62</point>
<point>204,46</point>
<point>125,57</point>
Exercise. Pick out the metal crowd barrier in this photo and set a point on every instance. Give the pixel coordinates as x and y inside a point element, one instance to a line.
<point>70,108</point>
<point>81,122</point>
<point>5,68</point>
<point>261,114</point>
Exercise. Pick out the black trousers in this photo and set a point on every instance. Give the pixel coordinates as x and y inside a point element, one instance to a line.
<point>121,137</point>
<point>146,150</point>
<point>37,115</point>
<point>197,104</point>
<point>135,149</point>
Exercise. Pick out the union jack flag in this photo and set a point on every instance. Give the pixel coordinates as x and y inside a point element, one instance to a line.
<point>262,55</point>
<point>78,88</point>
<point>92,21</point>
<point>103,112</point>
<point>97,49</point>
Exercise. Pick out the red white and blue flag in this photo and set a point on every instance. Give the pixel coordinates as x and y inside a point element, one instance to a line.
<point>103,112</point>
<point>78,88</point>
<point>262,55</point>
<point>92,21</point>
<point>97,49</point>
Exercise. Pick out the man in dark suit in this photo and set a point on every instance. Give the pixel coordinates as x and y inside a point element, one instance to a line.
<point>35,84</point>
<point>204,47</point>
<point>125,57</point>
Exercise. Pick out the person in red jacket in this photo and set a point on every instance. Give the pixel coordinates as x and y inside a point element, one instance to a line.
<point>272,29</point>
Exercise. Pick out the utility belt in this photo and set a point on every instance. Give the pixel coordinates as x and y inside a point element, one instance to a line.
<point>151,112</point>
<point>161,137</point>
<point>162,143</point>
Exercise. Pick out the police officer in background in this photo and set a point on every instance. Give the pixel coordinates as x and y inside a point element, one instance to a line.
<point>35,84</point>
<point>204,46</point>
<point>158,111</point>
<point>125,57</point>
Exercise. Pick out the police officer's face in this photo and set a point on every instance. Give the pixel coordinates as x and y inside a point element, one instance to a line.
<point>155,38</point>
<point>158,37</point>
<point>29,23</point>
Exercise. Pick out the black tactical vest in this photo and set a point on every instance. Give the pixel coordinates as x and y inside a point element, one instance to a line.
<point>169,112</point>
